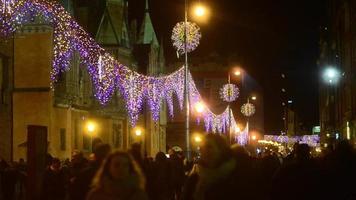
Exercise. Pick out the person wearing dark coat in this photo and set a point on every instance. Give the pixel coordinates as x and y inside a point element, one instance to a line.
<point>80,185</point>
<point>161,178</point>
<point>213,177</point>
<point>54,182</point>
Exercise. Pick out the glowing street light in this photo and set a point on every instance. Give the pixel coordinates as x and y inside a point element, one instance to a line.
<point>197,139</point>
<point>199,10</point>
<point>331,75</point>
<point>199,107</point>
<point>254,98</point>
<point>237,73</point>
<point>138,131</point>
<point>254,137</point>
<point>91,127</point>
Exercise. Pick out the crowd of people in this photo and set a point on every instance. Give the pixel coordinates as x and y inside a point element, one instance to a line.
<point>220,172</point>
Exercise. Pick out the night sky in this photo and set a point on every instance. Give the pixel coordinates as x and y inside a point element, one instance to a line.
<point>268,37</point>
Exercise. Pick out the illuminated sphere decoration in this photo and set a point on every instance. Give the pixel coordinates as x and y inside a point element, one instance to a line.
<point>193,37</point>
<point>248,109</point>
<point>229,92</point>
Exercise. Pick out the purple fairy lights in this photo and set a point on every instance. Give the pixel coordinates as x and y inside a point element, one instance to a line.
<point>107,74</point>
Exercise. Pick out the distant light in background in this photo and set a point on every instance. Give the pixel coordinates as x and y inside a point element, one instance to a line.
<point>254,137</point>
<point>197,139</point>
<point>91,127</point>
<point>290,101</point>
<point>254,98</point>
<point>199,107</point>
<point>200,13</point>
<point>237,73</point>
<point>331,75</point>
<point>138,131</point>
<point>348,135</point>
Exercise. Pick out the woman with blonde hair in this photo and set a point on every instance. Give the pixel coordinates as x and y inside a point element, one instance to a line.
<point>119,178</point>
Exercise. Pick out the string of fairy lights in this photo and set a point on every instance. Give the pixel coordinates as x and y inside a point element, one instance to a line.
<point>107,74</point>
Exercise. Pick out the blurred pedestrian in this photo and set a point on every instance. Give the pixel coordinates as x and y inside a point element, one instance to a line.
<point>119,178</point>
<point>54,182</point>
<point>80,185</point>
<point>213,177</point>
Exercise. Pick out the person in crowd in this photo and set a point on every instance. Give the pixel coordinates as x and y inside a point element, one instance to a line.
<point>300,174</point>
<point>8,181</point>
<point>177,174</point>
<point>161,178</point>
<point>119,178</point>
<point>80,184</point>
<point>135,152</point>
<point>54,182</point>
<point>213,177</point>
<point>22,178</point>
<point>77,164</point>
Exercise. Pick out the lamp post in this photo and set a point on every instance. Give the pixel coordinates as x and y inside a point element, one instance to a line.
<point>331,76</point>
<point>199,11</point>
<point>236,73</point>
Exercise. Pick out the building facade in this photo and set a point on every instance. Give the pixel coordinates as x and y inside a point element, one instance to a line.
<point>27,99</point>
<point>337,101</point>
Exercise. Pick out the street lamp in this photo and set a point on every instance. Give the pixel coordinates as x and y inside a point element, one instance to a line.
<point>91,127</point>
<point>198,139</point>
<point>331,75</point>
<point>200,12</point>
<point>186,75</point>
<point>199,107</point>
<point>138,132</point>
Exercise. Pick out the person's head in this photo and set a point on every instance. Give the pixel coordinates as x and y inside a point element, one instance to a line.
<point>302,152</point>
<point>161,157</point>
<point>55,164</point>
<point>101,151</point>
<point>214,150</point>
<point>119,166</point>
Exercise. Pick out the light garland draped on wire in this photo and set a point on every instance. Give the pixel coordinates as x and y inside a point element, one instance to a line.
<point>311,140</point>
<point>106,73</point>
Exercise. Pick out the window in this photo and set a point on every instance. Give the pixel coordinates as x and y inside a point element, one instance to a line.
<point>62,137</point>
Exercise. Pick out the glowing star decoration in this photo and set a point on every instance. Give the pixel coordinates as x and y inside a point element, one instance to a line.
<point>248,109</point>
<point>193,37</point>
<point>229,92</point>
<point>108,74</point>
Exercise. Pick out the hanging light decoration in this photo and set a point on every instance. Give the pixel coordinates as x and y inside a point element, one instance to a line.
<point>193,37</point>
<point>108,74</point>
<point>248,109</point>
<point>229,92</point>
